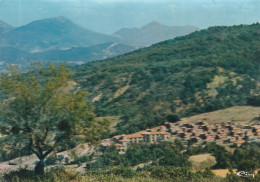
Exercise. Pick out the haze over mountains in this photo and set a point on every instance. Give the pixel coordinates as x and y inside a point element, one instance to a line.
<point>4,27</point>
<point>151,33</point>
<point>59,39</point>
<point>50,34</point>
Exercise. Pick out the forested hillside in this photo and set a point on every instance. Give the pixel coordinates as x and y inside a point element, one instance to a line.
<point>203,71</point>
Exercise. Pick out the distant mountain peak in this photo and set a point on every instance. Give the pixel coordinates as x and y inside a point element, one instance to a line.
<point>151,33</point>
<point>59,19</point>
<point>52,33</point>
<point>152,24</point>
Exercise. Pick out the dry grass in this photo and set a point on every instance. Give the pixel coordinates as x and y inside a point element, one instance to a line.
<point>202,161</point>
<point>236,114</point>
<point>120,91</point>
<point>97,98</point>
<point>222,172</point>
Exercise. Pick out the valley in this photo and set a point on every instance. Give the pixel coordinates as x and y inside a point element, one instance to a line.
<point>170,105</point>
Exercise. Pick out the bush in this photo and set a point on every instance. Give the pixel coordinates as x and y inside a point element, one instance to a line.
<point>51,160</point>
<point>123,171</point>
<point>20,174</point>
<point>81,159</point>
<point>180,174</point>
<point>58,174</point>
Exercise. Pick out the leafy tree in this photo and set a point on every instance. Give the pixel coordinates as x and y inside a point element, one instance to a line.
<point>43,109</point>
<point>173,118</point>
<point>247,165</point>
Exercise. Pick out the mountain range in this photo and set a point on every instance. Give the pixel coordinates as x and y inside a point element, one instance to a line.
<point>50,34</point>
<point>211,69</point>
<point>59,39</point>
<point>151,33</point>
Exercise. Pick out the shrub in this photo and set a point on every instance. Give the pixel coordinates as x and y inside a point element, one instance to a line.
<point>58,174</point>
<point>123,171</point>
<point>20,174</point>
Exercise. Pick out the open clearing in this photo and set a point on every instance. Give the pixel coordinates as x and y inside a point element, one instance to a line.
<point>222,172</point>
<point>235,114</point>
<point>202,161</point>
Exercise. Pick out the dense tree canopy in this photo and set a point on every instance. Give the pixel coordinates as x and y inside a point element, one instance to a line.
<point>43,108</point>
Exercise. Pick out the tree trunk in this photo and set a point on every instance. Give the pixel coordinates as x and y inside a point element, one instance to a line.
<point>39,168</point>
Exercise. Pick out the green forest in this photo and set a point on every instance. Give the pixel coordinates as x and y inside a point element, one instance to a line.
<point>204,71</point>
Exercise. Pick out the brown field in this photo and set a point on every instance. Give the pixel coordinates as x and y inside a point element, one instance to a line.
<point>235,114</point>
<point>202,161</point>
<point>222,172</point>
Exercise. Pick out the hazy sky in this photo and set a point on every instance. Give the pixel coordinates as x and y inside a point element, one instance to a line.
<point>109,16</point>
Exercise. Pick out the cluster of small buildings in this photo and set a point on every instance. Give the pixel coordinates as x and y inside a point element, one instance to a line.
<point>190,133</point>
<point>148,136</point>
<point>221,133</point>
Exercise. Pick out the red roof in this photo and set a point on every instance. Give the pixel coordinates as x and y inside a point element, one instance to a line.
<point>117,136</point>
<point>156,133</point>
<point>135,136</point>
<point>105,144</point>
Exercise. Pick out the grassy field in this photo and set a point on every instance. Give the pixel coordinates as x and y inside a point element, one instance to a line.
<point>202,161</point>
<point>222,172</point>
<point>239,114</point>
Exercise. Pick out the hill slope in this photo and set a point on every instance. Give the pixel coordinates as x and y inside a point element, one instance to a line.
<point>84,54</point>
<point>201,72</point>
<point>238,114</point>
<point>50,34</point>
<point>4,27</point>
<point>151,33</point>
<point>77,55</point>
<point>10,55</point>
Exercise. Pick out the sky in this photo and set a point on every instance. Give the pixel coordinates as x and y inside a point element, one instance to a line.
<point>108,16</point>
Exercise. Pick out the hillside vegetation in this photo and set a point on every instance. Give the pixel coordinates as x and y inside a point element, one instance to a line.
<point>204,71</point>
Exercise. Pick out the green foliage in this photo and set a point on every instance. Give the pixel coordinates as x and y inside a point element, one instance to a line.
<point>174,77</point>
<point>43,110</point>
<point>254,100</point>
<point>50,160</point>
<point>173,118</point>
<point>152,174</point>
<point>81,159</point>
<point>244,158</point>
<point>165,154</point>
<point>247,157</point>
<point>123,171</point>
<point>179,174</point>
<point>248,165</point>
<point>51,175</point>
<point>232,177</point>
